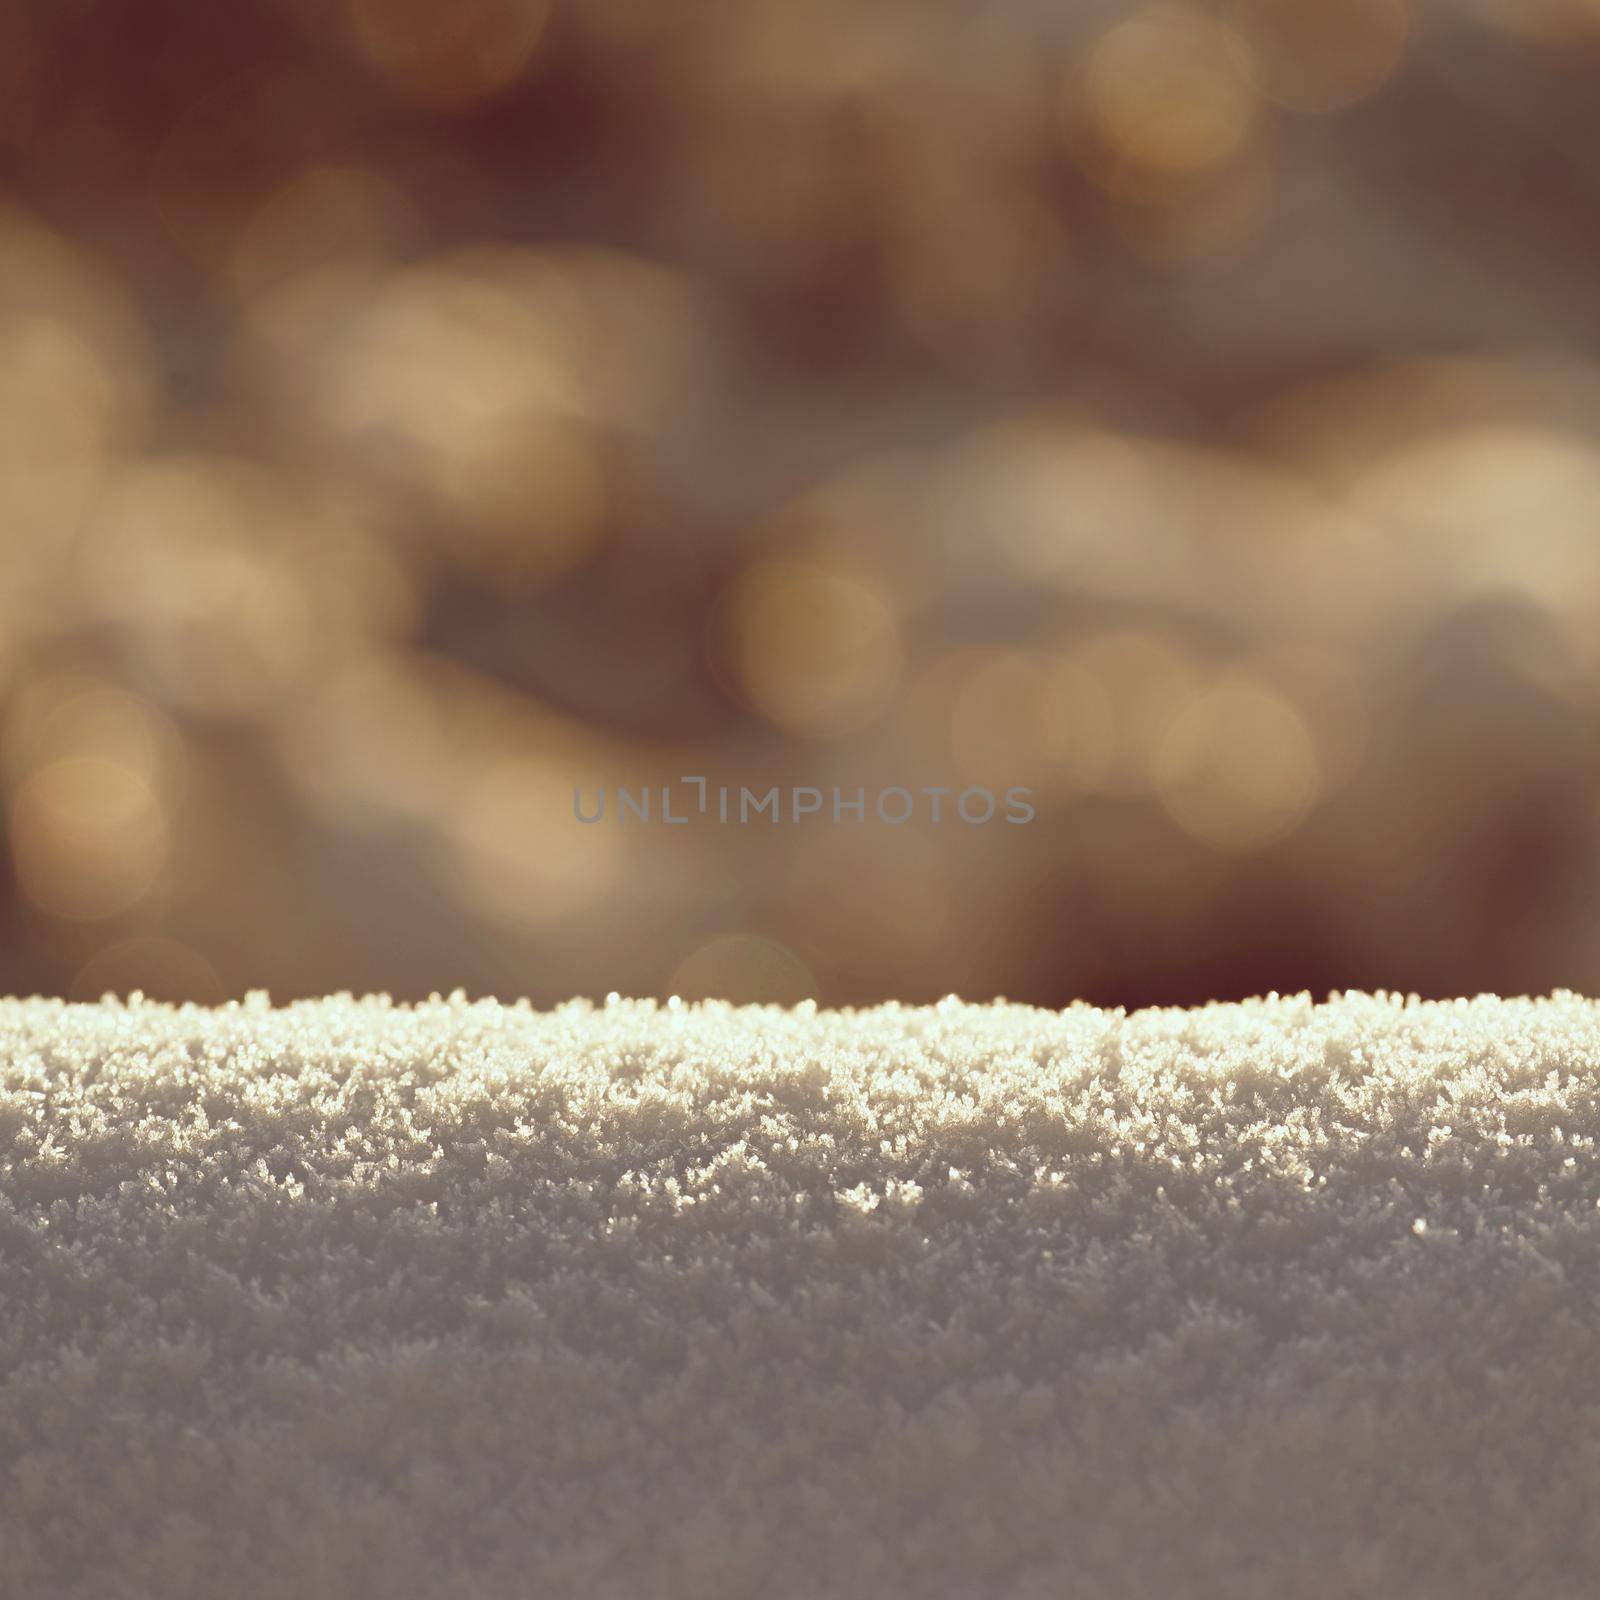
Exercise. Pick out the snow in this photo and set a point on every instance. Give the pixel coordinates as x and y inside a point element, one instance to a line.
<point>349,1299</point>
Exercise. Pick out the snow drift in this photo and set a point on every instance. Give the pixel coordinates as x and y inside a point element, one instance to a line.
<point>354,1299</point>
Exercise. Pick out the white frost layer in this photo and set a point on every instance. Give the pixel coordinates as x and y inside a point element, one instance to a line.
<point>352,1299</point>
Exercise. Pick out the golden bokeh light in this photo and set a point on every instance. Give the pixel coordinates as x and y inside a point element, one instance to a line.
<point>810,648</point>
<point>156,967</point>
<point>1211,227</point>
<point>746,969</point>
<point>373,745</point>
<point>1147,683</point>
<point>1237,767</point>
<point>1331,701</point>
<point>88,838</point>
<point>1164,99</point>
<point>1075,505</point>
<point>627,341</point>
<point>222,153</point>
<point>444,352</point>
<point>1480,478</point>
<point>448,57</point>
<point>292,336</point>
<point>1463,487</point>
<point>1033,718</point>
<point>468,376</point>
<point>62,715</point>
<point>490,397</point>
<point>187,556</point>
<point>410,412</point>
<point>1309,55</point>
<point>329,213</point>
<point>58,416</point>
<point>230,587</point>
<point>513,850</point>
<point>537,493</point>
<point>75,389</point>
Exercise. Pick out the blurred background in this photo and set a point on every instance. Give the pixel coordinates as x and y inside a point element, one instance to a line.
<point>411,411</point>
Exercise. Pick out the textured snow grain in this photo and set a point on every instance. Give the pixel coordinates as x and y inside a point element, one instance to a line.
<point>351,1299</point>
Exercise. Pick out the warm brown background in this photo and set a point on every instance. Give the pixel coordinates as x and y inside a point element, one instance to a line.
<point>410,410</point>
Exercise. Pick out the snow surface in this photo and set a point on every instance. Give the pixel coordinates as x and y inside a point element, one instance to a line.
<point>356,1299</point>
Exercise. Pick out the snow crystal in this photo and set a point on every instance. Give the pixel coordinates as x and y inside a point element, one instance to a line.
<point>349,1299</point>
